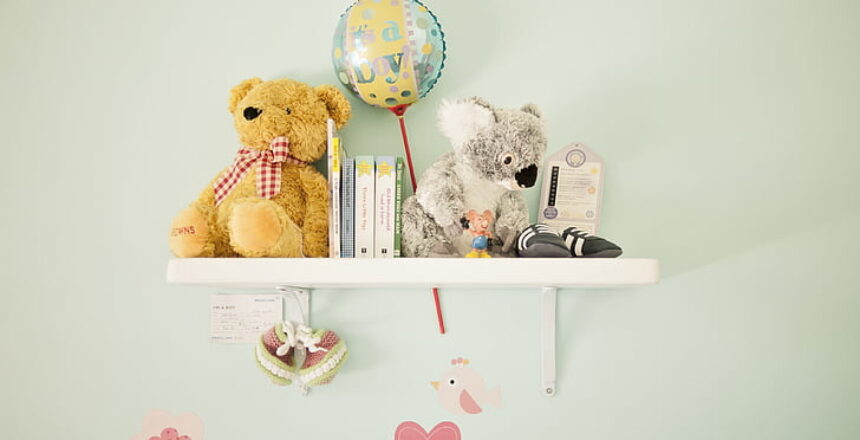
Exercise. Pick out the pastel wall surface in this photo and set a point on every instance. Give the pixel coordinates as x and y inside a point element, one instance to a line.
<point>731,134</point>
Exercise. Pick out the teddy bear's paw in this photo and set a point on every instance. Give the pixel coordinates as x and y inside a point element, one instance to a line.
<point>189,234</point>
<point>261,228</point>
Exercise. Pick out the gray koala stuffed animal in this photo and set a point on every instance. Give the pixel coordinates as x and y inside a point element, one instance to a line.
<point>496,155</point>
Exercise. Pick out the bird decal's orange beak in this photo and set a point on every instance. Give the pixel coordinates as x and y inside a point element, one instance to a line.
<point>435,385</point>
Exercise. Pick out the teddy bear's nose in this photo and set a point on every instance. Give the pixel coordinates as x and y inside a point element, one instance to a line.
<point>251,113</point>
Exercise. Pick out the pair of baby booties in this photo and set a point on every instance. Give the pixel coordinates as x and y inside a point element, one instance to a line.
<point>281,348</point>
<point>541,241</point>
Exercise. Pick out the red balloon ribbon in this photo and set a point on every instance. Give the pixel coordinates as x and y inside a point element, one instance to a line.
<point>399,111</point>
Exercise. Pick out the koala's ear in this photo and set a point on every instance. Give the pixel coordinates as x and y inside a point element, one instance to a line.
<point>532,110</point>
<point>337,105</point>
<point>461,120</point>
<point>241,91</point>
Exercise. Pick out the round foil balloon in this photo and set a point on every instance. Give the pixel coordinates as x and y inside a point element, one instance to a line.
<point>388,52</point>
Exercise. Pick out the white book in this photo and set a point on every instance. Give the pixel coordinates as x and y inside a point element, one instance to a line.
<point>334,159</point>
<point>386,176</point>
<point>364,194</point>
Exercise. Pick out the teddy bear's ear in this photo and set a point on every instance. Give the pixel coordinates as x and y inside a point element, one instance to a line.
<point>337,105</point>
<point>532,110</point>
<point>241,91</point>
<point>488,214</point>
<point>461,120</point>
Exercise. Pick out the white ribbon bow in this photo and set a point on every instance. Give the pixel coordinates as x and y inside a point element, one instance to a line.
<point>298,334</point>
<point>301,337</point>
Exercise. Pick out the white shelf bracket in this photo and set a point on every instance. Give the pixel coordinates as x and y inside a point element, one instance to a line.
<point>300,309</point>
<point>547,340</point>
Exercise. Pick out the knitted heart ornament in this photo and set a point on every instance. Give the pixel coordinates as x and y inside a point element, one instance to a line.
<point>278,368</point>
<point>321,366</point>
<point>324,355</point>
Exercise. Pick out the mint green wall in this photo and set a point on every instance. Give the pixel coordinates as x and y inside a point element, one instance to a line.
<point>730,130</point>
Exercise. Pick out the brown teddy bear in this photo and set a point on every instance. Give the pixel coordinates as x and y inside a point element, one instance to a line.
<point>271,202</point>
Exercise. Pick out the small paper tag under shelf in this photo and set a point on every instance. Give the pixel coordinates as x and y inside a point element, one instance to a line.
<point>240,319</point>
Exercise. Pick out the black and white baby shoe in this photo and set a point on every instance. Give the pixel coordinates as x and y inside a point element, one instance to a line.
<point>583,244</point>
<point>540,241</point>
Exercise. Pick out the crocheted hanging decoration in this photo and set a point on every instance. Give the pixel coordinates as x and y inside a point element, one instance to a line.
<point>321,353</point>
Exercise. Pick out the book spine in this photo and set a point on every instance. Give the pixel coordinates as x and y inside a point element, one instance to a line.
<point>329,163</point>
<point>386,169</point>
<point>334,250</point>
<point>364,195</point>
<point>398,207</point>
<point>347,201</point>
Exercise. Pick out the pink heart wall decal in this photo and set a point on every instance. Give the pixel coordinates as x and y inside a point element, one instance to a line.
<point>414,431</point>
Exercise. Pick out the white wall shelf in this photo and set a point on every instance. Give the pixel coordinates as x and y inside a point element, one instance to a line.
<point>548,274</point>
<point>413,272</point>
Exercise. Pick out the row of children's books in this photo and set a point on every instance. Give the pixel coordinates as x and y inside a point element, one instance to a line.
<point>365,198</point>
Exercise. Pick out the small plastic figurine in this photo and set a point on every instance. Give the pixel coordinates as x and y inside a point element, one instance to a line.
<point>479,226</point>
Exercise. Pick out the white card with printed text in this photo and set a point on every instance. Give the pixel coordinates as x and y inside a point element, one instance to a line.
<point>240,319</point>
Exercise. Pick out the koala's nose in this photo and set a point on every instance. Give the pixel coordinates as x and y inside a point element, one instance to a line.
<point>527,177</point>
<point>251,113</point>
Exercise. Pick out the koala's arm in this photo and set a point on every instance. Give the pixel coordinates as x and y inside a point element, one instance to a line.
<point>441,195</point>
<point>315,226</point>
<point>513,217</point>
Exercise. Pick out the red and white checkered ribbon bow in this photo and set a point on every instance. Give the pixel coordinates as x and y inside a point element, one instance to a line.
<point>268,169</point>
